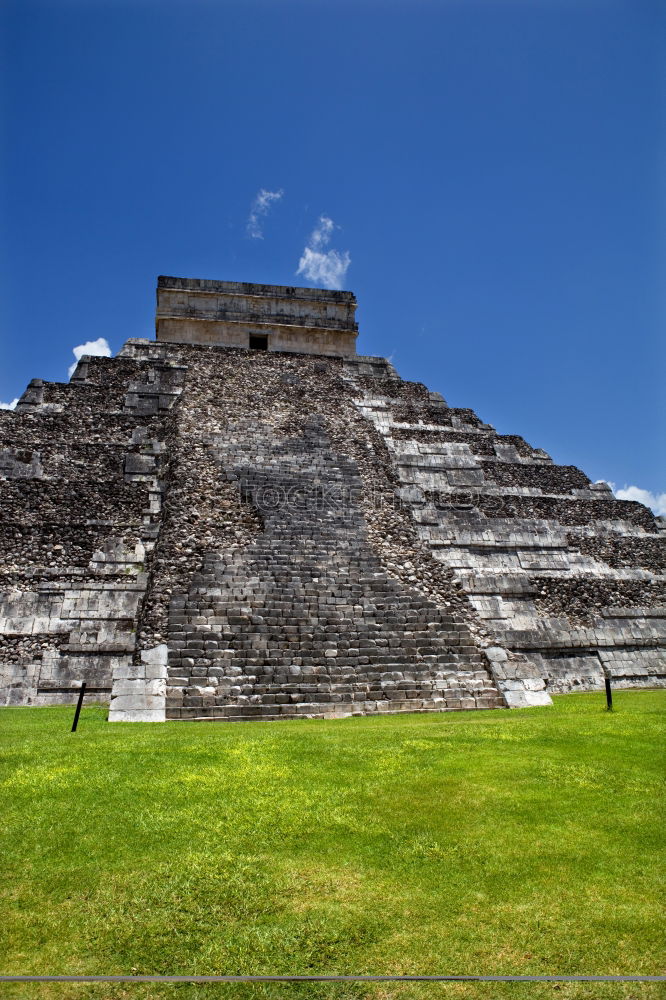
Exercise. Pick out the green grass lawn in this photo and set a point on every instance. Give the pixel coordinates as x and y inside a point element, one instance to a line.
<point>522,843</point>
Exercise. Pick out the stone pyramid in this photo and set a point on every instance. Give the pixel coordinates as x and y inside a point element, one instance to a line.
<point>243,518</point>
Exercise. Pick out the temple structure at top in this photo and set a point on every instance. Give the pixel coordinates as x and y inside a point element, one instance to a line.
<point>257,317</point>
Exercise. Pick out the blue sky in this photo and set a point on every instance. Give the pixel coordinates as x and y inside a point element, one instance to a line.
<point>493,172</point>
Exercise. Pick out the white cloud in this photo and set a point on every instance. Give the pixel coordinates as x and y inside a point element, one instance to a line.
<point>259,210</point>
<point>327,269</point>
<point>98,348</point>
<point>9,406</point>
<point>657,501</point>
<point>322,232</point>
<point>324,268</point>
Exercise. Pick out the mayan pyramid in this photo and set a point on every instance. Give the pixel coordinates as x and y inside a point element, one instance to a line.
<point>243,518</point>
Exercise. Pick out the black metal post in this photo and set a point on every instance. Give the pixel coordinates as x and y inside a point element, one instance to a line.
<point>609,695</point>
<point>78,706</point>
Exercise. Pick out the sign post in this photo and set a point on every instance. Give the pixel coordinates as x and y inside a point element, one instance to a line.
<point>78,706</point>
<point>609,695</point>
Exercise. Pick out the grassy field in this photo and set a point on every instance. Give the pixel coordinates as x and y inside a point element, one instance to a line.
<point>493,842</point>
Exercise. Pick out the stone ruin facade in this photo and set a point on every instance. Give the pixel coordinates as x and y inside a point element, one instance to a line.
<point>244,519</point>
<point>261,317</point>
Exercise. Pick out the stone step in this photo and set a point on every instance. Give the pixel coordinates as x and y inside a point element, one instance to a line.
<point>241,714</point>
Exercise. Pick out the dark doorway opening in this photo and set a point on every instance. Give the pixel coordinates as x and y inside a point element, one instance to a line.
<point>258,342</point>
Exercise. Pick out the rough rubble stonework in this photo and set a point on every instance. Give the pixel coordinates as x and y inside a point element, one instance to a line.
<point>212,532</point>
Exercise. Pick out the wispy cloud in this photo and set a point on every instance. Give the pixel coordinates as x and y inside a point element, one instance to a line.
<point>327,268</point>
<point>259,210</point>
<point>9,406</point>
<point>98,348</point>
<point>656,501</point>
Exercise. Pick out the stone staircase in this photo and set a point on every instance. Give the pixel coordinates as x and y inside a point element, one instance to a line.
<point>305,621</point>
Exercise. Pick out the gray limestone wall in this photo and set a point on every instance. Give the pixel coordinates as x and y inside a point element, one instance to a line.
<point>80,503</point>
<point>216,533</point>
<point>557,570</point>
